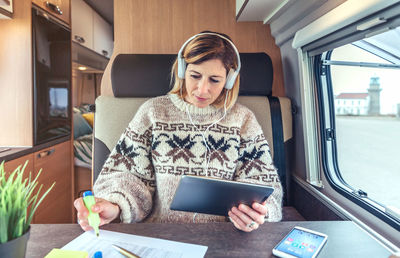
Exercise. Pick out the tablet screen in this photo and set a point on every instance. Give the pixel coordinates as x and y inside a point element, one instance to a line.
<point>300,243</point>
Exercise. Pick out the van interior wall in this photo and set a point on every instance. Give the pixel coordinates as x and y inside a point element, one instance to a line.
<point>16,77</point>
<point>161,27</point>
<point>84,85</point>
<point>283,28</point>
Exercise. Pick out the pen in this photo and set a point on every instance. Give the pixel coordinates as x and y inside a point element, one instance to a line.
<point>125,252</point>
<point>93,218</point>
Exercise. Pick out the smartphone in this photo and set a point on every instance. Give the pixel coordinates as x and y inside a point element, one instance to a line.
<point>300,242</point>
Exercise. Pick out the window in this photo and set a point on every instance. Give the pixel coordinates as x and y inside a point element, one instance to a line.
<point>362,143</point>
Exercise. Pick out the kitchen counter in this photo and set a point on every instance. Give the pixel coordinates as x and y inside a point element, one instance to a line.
<point>10,153</point>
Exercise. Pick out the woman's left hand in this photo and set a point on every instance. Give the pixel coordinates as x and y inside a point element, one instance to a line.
<point>248,218</point>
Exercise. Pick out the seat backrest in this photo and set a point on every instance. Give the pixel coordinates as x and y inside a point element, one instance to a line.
<point>137,77</point>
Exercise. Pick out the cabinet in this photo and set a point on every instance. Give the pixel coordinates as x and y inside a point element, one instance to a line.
<point>83,180</point>
<point>6,9</point>
<point>265,11</point>
<point>89,29</point>
<point>82,23</point>
<point>102,36</point>
<point>55,163</point>
<point>16,72</point>
<point>58,8</point>
<point>11,165</point>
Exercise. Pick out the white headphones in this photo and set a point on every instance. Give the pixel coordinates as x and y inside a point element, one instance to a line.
<point>232,75</point>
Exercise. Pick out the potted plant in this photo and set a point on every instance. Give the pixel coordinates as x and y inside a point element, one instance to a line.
<point>18,203</point>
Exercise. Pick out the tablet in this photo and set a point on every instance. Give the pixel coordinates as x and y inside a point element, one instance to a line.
<point>216,196</point>
<point>300,242</point>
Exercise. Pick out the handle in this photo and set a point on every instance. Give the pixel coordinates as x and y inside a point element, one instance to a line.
<point>105,52</point>
<point>53,7</point>
<point>79,39</point>
<point>46,153</point>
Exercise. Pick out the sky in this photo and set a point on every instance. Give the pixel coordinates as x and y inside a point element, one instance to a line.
<point>357,79</point>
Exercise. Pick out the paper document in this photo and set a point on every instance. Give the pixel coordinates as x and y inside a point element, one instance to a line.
<point>139,245</point>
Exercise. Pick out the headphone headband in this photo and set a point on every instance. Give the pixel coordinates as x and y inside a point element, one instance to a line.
<point>232,74</point>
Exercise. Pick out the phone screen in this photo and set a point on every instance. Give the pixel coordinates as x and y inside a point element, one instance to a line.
<point>301,243</point>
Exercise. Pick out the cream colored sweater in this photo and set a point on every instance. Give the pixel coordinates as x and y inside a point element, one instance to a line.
<point>161,144</point>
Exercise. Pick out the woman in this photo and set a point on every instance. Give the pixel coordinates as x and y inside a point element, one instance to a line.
<point>197,129</point>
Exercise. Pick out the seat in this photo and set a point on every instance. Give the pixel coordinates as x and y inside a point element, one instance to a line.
<point>138,77</point>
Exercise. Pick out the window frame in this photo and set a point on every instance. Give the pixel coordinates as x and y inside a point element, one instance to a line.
<point>327,136</point>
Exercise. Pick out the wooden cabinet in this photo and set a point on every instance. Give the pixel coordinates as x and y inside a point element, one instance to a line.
<point>83,180</point>
<point>16,73</point>
<point>102,36</point>
<point>55,163</point>
<point>90,30</point>
<point>58,8</point>
<point>11,165</point>
<point>6,9</point>
<point>82,23</point>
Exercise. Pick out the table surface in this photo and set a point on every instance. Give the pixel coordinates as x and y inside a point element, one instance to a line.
<point>345,239</point>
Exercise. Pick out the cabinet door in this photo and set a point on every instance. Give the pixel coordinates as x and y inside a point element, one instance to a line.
<point>6,9</point>
<point>11,165</point>
<point>55,163</point>
<point>58,8</point>
<point>82,23</point>
<point>102,36</point>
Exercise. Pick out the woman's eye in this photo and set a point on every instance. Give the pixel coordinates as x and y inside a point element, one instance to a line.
<point>214,80</point>
<point>195,76</point>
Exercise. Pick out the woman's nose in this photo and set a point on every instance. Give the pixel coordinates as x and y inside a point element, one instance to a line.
<point>202,86</point>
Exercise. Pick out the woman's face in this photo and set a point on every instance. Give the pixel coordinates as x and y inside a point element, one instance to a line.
<point>204,82</point>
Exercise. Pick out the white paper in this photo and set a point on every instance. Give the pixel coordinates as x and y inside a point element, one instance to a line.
<point>145,247</point>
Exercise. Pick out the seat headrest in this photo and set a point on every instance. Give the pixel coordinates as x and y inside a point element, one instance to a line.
<point>148,75</point>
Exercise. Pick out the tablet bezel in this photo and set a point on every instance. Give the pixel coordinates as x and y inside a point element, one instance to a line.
<point>216,196</point>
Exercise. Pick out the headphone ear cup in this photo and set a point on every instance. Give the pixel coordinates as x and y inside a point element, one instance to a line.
<point>181,67</point>
<point>230,79</point>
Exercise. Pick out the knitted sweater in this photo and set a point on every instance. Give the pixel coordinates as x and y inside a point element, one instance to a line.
<point>161,144</point>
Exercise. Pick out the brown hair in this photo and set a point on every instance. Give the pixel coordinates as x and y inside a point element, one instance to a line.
<point>203,48</point>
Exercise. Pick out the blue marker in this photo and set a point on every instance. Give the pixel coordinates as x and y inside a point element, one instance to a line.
<point>93,218</point>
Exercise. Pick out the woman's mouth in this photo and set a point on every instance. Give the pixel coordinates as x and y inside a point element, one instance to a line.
<point>201,99</point>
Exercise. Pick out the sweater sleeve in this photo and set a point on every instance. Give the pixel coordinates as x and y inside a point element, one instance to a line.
<point>127,177</point>
<point>255,165</point>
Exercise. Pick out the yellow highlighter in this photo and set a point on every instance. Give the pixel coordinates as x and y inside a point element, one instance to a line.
<point>93,218</point>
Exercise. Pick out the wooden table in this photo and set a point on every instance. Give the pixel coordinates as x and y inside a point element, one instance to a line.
<point>345,239</point>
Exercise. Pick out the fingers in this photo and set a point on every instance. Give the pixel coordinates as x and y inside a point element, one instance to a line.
<point>80,207</point>
<point>256,214</point>
<point>248,218</point>
<point>262,210</point>
<point>83,222</point>
<point>242,220</point>
<point>106,210</point>
<point>82,214</point>
<point>238,223</point>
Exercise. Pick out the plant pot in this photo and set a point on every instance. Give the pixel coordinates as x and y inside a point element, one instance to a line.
<point>15,248</point>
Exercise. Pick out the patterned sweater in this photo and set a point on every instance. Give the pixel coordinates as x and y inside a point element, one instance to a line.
<point>161,144</point>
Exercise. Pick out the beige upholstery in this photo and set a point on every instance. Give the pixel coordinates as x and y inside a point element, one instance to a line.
<point>114,114</point>
<point>112,117</point>
<point>260,107</point>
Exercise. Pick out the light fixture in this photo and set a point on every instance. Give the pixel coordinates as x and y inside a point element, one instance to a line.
<point>82,68</point>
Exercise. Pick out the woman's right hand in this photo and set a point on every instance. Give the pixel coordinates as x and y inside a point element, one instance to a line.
<point>107,211</point>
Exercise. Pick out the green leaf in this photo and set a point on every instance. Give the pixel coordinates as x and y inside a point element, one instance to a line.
<point>16,196</point>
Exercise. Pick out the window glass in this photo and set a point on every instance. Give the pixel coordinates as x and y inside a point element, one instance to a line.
<point>367,117</point>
